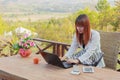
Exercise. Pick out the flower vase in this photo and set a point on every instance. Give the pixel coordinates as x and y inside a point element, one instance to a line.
<point>24,52</point>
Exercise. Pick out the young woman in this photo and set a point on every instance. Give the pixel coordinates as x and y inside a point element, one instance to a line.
<point>89,41</point>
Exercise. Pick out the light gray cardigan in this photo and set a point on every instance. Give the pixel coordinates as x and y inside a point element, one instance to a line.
<point>93,45</point>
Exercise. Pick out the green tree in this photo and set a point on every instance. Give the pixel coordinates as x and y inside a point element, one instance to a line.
<point>102,5</point>
<point>104,9</point>
<point>3,26</point>
<point>93,16</point>
<point>116,21</point>
<point>117,3</point>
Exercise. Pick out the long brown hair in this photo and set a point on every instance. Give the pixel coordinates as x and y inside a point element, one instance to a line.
<point>82,20</point>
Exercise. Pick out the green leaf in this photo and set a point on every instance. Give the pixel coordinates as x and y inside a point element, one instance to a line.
<point>16,46</point>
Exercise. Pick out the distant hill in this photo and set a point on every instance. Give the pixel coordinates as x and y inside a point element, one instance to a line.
<point>37,6</point>
<point>42,9</point>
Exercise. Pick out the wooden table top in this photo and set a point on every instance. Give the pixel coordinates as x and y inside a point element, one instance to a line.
<point>24,68</point>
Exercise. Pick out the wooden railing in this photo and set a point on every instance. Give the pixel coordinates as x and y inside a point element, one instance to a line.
<point>58,48</point>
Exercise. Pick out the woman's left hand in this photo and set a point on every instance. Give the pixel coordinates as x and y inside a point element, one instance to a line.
<point>76,61</point>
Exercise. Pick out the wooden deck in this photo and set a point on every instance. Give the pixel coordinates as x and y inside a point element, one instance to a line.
<point>17,68</point>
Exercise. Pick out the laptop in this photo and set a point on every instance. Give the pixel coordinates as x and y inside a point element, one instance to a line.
<point>55,60</point>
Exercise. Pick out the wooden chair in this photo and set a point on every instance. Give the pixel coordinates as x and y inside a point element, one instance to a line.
<point>110,43</point>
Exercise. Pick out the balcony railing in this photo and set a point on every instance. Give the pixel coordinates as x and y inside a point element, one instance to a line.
<point>58,48</point>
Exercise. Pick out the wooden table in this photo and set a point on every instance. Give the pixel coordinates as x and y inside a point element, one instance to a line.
<point>18,68</point>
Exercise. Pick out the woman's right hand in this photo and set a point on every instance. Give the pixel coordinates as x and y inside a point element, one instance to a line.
<point>64,58</point>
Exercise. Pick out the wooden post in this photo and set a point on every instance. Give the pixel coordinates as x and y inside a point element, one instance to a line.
<point>54,48</point>
<point>62,50</point>
<point>58,49</point>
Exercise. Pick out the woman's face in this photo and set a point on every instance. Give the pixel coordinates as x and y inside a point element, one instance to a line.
<point>80,29</point>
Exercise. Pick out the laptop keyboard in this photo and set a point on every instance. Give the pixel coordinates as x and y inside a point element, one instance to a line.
<point>67,65</point>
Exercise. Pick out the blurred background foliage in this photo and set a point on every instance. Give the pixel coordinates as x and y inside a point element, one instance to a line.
<point>105,18</point>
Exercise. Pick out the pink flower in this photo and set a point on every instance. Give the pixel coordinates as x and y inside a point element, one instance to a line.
<point>25,45</point>
<point>26,35</point>
<point>32,44</point>
<point>28,41</point>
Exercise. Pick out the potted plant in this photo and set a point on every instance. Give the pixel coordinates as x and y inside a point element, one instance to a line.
<point>24,45</point>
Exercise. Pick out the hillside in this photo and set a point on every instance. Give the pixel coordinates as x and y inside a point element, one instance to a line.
<point>37,6</point>
<point>42,9</point>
